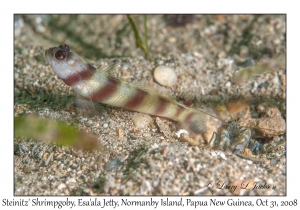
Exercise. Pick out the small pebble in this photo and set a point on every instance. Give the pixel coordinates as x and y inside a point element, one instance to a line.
<point>109,183</point>
<point>200,191</point>
<point>42,74</point>
<point>228,84</point>
<point>82,119</point>
<point>86,190</point>
<point>155,184</point>
<point>71,180</point>
<point>24,51</point>
<point>164,150</point>
<point>105,125</point>
<point>273,162</point>
<point>112,123</point>
<point>154,146</point>
<point>119,133</point>
<point>255,86</point>
<point>50,177</point>
<point>74,166</point>
<point>141,120</point>
<point>18,25</point>
<point>61,166</point>
<point>61,186</point>
<point>89,123</point>
<point>145,187</point>
<point>198,167</point>
<point>17,92</point>
<point>185,138</point>
<point>172,40</point>
<point>163,128</point>
<point>113,164</point>
<point>244,50</point>
<point>223,156</point>
<point>276,80</point>
<point>165,76</point>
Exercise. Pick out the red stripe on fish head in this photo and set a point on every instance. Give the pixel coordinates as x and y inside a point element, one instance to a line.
<point>84,74</point>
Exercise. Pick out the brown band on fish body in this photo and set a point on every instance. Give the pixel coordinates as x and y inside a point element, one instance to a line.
<point>162,104</point>
<point>178,112</point>
<point>188,117</point>
<point>106,91</point>
<point>136,100</point>
<point>195,125</point>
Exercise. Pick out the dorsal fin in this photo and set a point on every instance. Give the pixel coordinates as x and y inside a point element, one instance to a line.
<point>113,68</point>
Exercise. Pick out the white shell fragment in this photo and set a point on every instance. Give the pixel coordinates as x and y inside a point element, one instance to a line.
<point>165,76</point>
<point>178,133</point>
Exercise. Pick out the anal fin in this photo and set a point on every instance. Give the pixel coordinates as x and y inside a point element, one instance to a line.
<point>85,106</point>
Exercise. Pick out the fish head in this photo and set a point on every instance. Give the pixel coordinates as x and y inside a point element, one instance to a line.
<point>64,62</point>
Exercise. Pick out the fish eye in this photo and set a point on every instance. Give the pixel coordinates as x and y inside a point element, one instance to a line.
<point>64,47</point>
<point>60,55</point>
